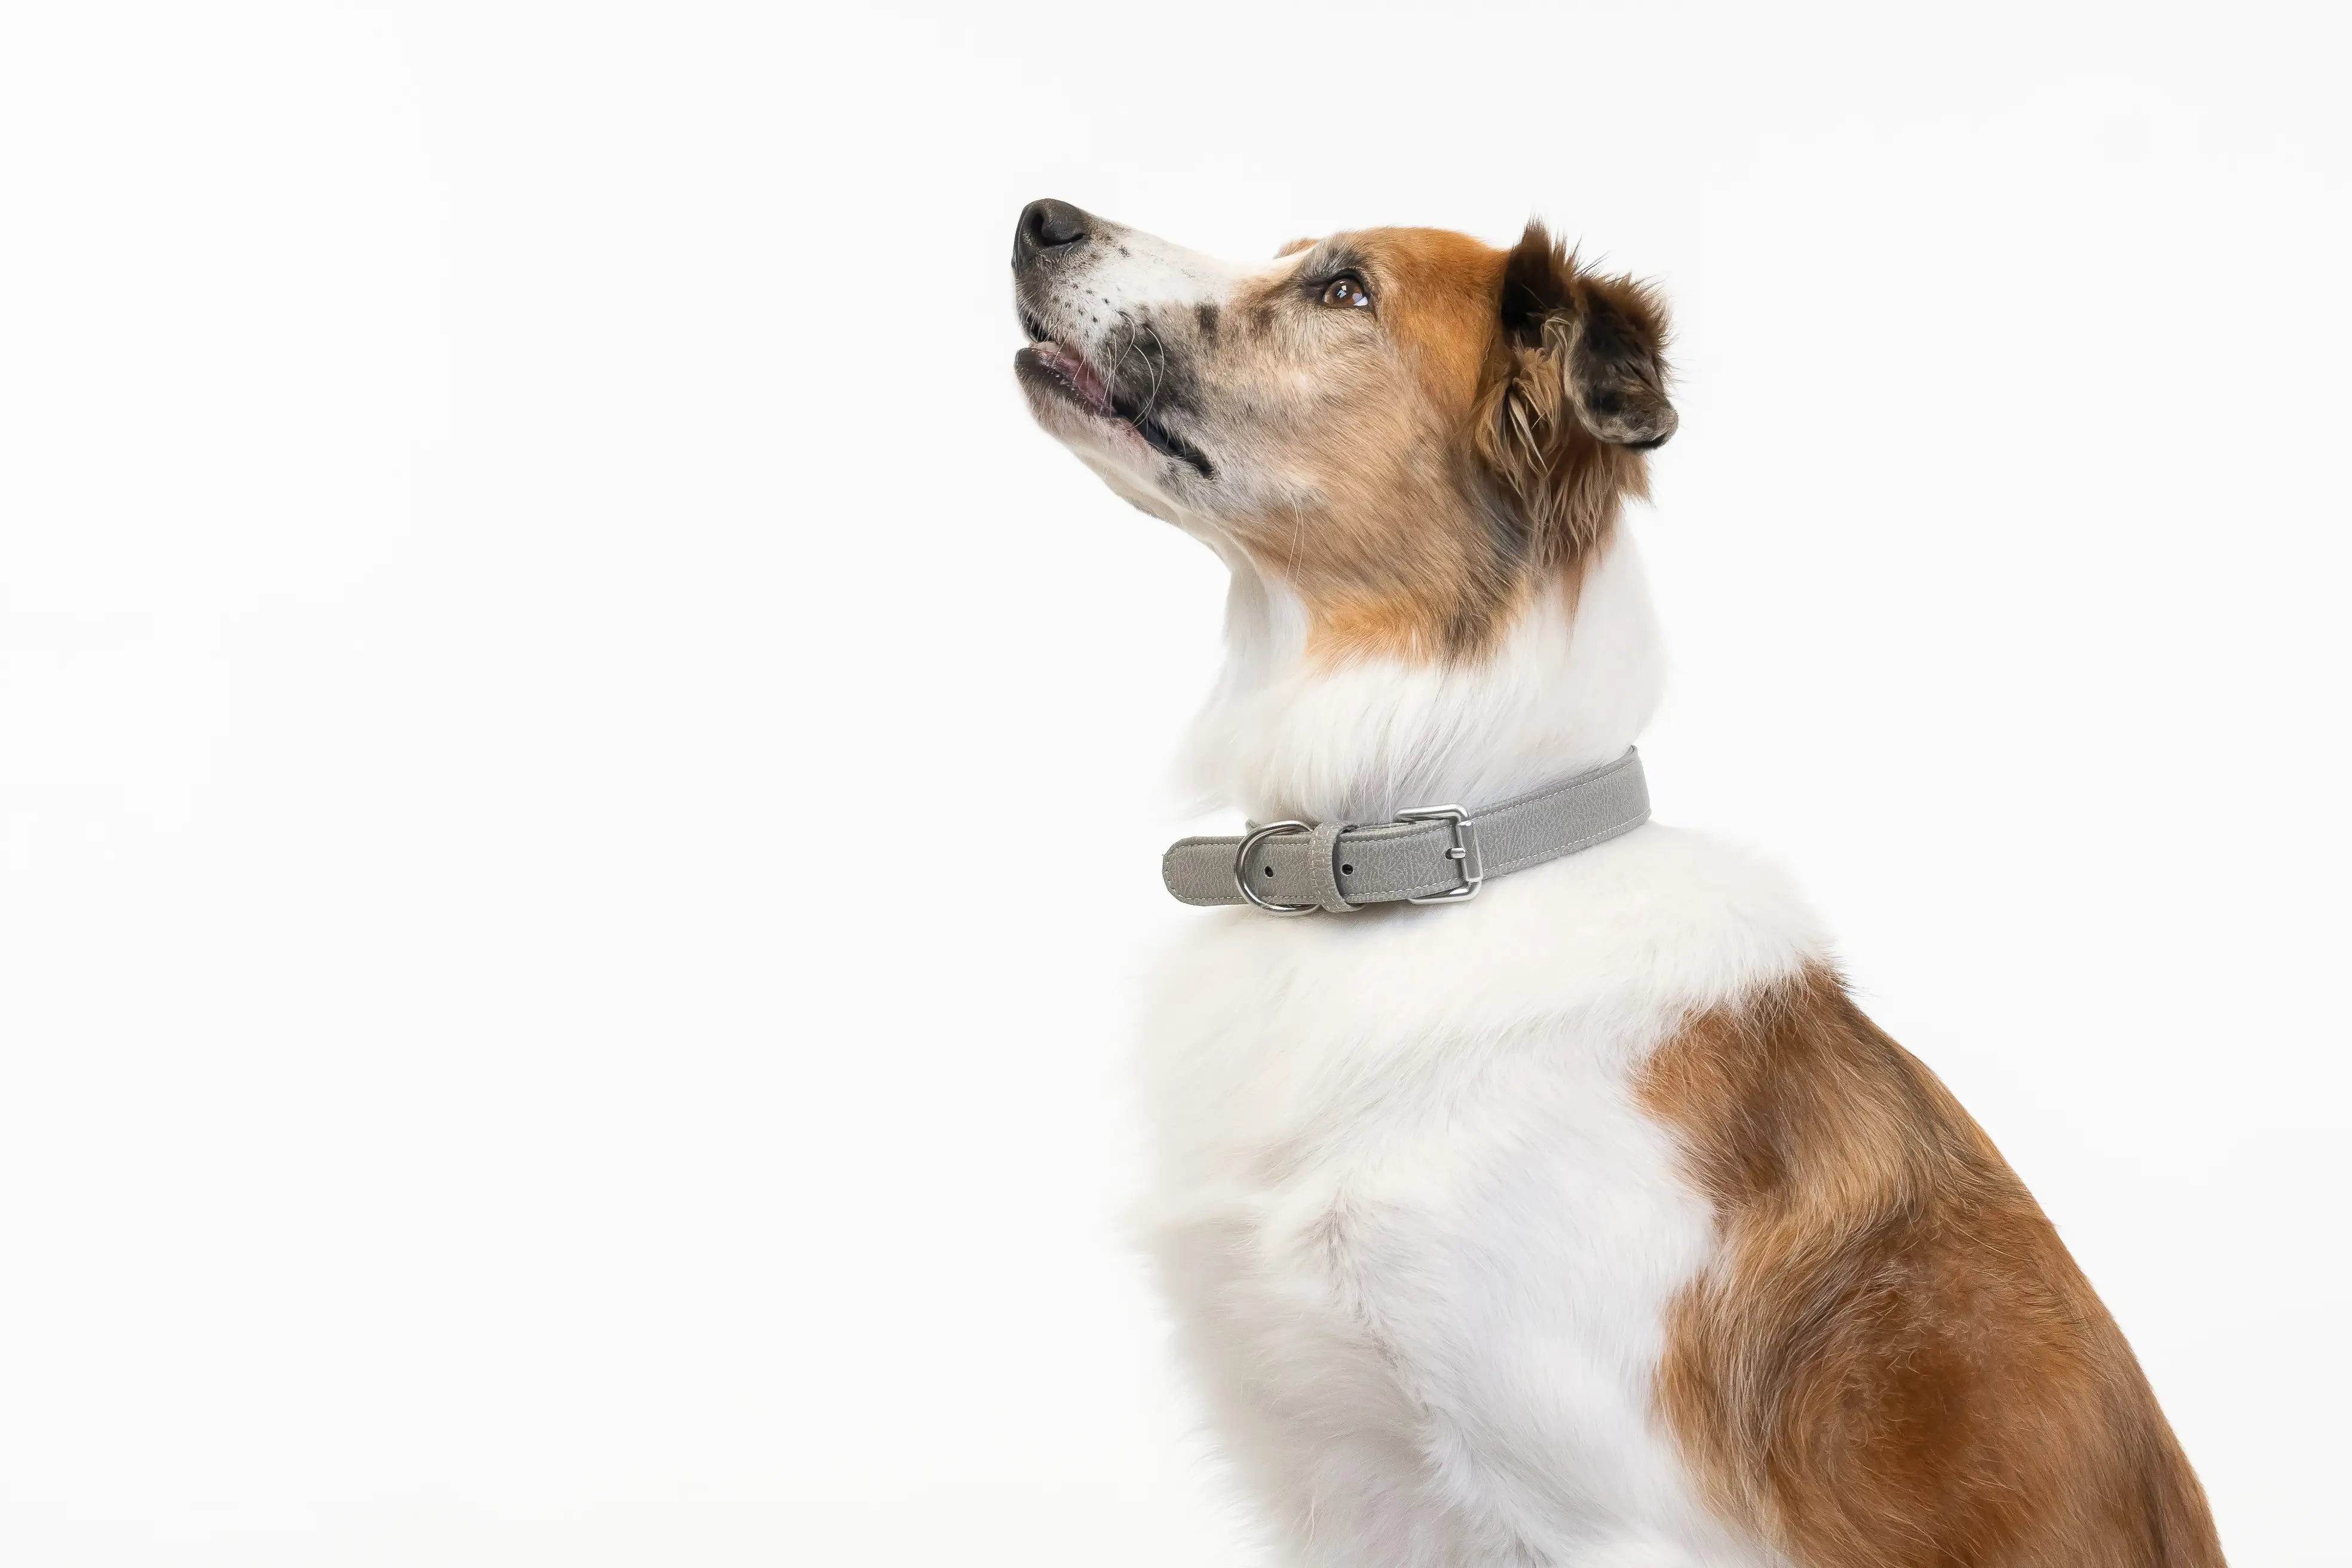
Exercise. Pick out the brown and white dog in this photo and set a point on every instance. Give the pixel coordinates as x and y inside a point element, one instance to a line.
<point>1588,1223</point>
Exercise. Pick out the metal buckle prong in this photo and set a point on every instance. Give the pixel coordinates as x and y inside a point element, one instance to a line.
<point>1241,867</point>
<point>1464,851</point>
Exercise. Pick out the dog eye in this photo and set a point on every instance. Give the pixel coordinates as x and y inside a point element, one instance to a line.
<point>1348,293</point>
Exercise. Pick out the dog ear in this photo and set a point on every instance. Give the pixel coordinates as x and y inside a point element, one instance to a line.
<point>1577,393</point>
<point>1596,342</point>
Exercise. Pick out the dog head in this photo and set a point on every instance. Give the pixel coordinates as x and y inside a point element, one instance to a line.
<point>1412,431</point>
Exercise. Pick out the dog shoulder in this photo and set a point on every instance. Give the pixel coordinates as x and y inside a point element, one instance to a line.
<point>1893,1359</point>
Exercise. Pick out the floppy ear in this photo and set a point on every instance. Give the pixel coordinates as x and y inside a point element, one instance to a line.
<point>1578,395</point>
<point>1601,340</point>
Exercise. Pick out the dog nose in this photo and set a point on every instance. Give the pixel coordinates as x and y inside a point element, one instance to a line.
<point>1048,225</point>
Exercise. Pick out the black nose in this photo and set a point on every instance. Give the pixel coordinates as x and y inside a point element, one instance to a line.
<point>1048,225</point>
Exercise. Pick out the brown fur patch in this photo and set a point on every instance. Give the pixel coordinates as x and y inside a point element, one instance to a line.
<point>1398,560</point>
<point>1452,456</point>
<point>1895,1364</point>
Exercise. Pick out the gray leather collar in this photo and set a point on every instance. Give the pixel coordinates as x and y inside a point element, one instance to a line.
<point>1431,856</point>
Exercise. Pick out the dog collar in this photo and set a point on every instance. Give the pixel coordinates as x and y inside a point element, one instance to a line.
<point>1435,855</point>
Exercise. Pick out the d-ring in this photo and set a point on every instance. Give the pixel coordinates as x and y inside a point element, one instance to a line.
<point>1240,868</point>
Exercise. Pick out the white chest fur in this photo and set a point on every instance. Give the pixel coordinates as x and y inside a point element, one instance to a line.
<point>1417,1232</point>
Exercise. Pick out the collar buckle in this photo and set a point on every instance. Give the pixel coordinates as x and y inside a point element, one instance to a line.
<point>1463,852</point>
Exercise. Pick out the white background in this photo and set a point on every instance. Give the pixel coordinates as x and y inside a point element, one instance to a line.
<point>511,518</point>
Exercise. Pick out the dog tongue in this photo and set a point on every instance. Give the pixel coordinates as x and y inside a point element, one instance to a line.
<point>1066,363</point>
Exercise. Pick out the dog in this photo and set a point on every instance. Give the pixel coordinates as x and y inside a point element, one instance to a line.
<point>1585,1221</point>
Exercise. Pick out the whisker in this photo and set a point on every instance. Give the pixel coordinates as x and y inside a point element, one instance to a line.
<point>1158,367</point>
<point>1136,421</point>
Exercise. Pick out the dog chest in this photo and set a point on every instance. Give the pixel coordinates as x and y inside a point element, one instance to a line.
<point>1435,1269</point>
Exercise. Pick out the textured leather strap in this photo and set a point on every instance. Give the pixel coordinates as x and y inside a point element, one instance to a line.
<point>1339,867</point>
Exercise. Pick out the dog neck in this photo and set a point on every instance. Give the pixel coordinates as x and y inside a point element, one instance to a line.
<point>1287,734</point>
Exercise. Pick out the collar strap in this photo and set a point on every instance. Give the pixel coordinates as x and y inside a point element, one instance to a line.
<point>1435,855</point>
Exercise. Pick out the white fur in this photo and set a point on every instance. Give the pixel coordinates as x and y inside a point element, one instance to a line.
<point>1419,1234</point>
<point>1283,737</point>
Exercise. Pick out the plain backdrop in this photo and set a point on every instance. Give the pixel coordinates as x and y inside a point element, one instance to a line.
<point>521,555</point>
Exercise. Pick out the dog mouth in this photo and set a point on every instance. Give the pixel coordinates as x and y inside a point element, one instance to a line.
<point>1056,370</point>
